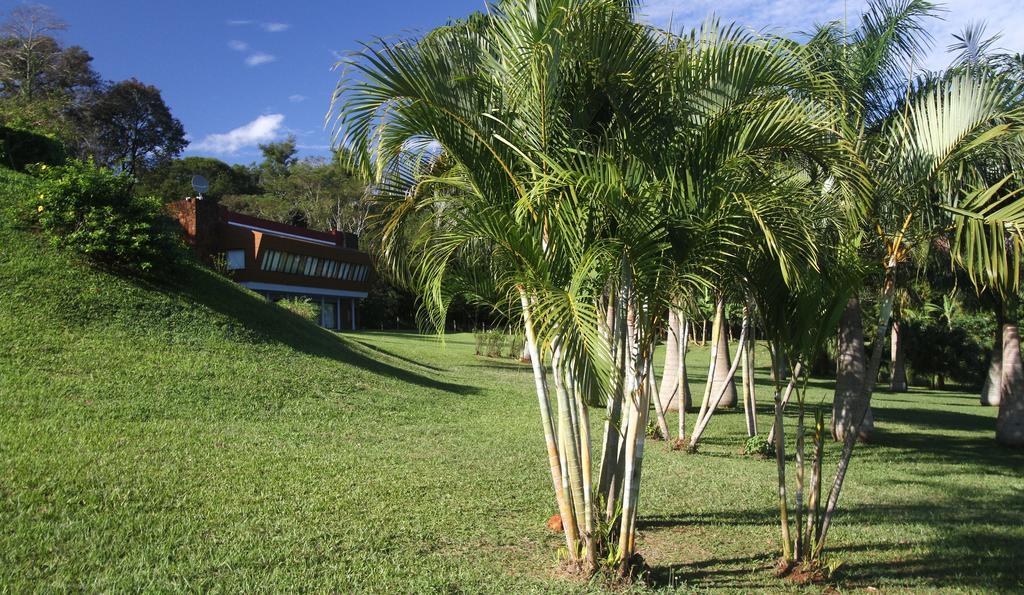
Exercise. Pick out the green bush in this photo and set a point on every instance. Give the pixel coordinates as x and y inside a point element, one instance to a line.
<point>20,148</point>
<point>93,211</point>
<point>758,445</point>
<point>304,307</point>
<point>938,351</point>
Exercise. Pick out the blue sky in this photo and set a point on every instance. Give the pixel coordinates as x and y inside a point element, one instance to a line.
<point>237,73</point>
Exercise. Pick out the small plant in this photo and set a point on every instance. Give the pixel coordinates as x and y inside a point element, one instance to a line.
<point>758,445</point>
<point>490,343</point>
<point>495,343</point>
<point>94,211</point>
<point>301,306</point>
<point>653,431</point>
<point>515,346</point>
<point>480,339</point>
<point>219,264</point>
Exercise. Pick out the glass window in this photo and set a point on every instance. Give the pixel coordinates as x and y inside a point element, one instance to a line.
<point>310,266</point>
<point>329,314</point>
<point>343,273</point>
<point>235,260</point>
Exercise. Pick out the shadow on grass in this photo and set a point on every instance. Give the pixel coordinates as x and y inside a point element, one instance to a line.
<point>977,538</point>
<point>936,419</point>
<point>392,354</point>
<point>264,321</point>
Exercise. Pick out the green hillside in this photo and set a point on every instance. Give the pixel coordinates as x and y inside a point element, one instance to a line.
<point>187,435</point>
<point>190,434</point>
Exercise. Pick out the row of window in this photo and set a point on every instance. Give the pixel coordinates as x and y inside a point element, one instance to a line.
<point>275,261</point>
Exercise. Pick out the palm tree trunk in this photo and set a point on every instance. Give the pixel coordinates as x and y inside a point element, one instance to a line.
<point>610,481</point>
<point>586,464</point>
<point>749,398</point>
<point>722,376</point>
<point>851,375</point>
<point>814,505</point>
<point>898,379</point>
<point>569,440</point>
<point>684,385</point>
<point>1010,422</point>
<point>639,404</point>
<point>779,364</point>
<point>670,372</point>
<point>992,390</point>
<point>798,521</point>
<point>780,461</point>
<point>702,422</point>
<point>659,409</point>
<point>554,457</point>
<point>713,360</point>
<point>862,409</point>
<point>785,398</point>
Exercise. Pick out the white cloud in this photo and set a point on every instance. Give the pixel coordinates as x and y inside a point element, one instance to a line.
<point>261,130</point>
<point>296,98</point>
<point>275,27</point>
<point>238,46</point>
<point>789,16</point>
<point>238,23</point>
<point>259,58</point>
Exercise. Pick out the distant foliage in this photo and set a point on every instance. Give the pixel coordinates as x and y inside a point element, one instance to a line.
<point>497,343</point>
<point>20,148</point>
<point>93,211</point>
<point>938,350</point>
<point>301,306</point>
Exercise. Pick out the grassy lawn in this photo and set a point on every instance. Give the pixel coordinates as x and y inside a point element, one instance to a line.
<point>191,436</point>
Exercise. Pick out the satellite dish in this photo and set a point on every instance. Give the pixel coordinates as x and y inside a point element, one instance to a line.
<point>199,184</point>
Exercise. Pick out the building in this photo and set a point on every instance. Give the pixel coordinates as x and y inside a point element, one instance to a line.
<point>281,261</point>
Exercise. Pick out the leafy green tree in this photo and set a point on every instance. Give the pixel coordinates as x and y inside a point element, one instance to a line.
<point>322,195</point>
<point>278,157</point>
<point>127,125</point>
<point>172,180</point>
<point>40,79</point>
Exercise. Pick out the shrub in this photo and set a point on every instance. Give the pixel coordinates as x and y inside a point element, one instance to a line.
<point>20,148</point>
<point>758,445</point>
<point>93,211</point>
<point>304,307</point>
<point>937,351</point>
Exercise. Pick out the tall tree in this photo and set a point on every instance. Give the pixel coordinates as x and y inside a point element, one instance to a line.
<point>127,125</point>
<point>40,79</point>
<point>278,157</point>
<point>28,51</point>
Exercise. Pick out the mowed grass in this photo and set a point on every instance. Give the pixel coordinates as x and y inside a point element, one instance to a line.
<point>186,435</point>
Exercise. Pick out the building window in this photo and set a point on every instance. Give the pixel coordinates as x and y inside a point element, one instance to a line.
<point>236,260</point>
<point>274,261</point>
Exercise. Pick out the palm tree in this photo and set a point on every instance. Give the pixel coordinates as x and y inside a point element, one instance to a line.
<point>531,104</point>
<point>937,156</point>
<point>987,237</point>
<point>870,65</point>
<point>737,109</point>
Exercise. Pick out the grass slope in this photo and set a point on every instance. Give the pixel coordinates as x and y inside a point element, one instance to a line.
<point>192,436</point>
